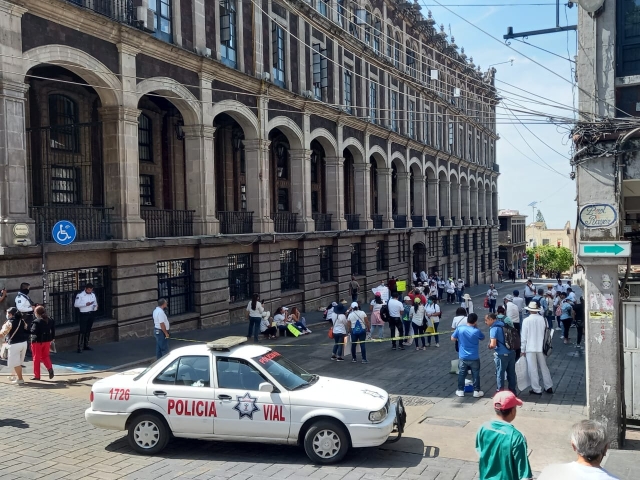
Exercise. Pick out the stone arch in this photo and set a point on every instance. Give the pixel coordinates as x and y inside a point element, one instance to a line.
<point>453,175</point>
<point>324,138</point>
<point>379,155</point>
<point>430,171</point>
<point>82,64</point>
<point>289,128</point>
<point>355,147</point>
<point>181,97</point>
<point>415,161</point>
<point>398,156</point>
<point>241,114</point>
<point>443,170</point>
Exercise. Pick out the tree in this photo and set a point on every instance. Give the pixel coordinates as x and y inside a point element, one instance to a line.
<point>549,260</point>
<point>540,218</point>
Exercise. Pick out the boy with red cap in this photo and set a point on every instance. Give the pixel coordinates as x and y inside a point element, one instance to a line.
<point>501,447</point>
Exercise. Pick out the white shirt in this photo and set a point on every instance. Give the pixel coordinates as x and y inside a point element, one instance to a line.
<point>279,319</point>
<point>395,308</point>
<point>492,293</point>
<point>82,299</point>
<point>552,290</point>
<point>468,305</point>
<point>414,277</point>
<point>460,285</point>
<point>264,324</point>
<point>573,470</point>
<point>433,291</point>
<point>451,287</point>
<point>417,314</point>
<point>339,324</point>
<point>23,303</point>
<point>429,310</point>
<point>423,276</point>
<point>440,283</point>
<point>572,297</point>
<point>159,317</point>
<point>257,313</point>
<point>355,316</point>
<point>512,312</point>
<point>561,288</point>
<point>532,335</point>
<point>530,291</point>
<point>459,321</point>
<point>519,302</point>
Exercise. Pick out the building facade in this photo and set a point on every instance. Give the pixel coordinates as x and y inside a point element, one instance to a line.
<point>206,151</point>
<point>538,234</point>
<point>512,241</point>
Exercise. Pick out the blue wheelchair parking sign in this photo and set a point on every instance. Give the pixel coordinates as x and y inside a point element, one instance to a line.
<point>64,232</point>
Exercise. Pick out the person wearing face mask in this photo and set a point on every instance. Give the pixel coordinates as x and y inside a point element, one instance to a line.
<point>16,333</point>
<point>24,304</point>
<point>432,313</point>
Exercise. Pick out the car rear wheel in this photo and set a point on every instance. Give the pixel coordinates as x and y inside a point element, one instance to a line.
<point>148,434</point>
<point>326,442</point>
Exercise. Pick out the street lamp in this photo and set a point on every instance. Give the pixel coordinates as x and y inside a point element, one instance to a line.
<point>533,208</point>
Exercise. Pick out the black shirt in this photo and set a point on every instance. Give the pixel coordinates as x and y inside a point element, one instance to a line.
<point>19,336</point>
<point>42,330</point>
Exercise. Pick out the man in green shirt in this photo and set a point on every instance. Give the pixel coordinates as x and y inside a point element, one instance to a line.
<point>501,447</point>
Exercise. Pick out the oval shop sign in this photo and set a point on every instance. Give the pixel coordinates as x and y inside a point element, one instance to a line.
<point>598,216</point>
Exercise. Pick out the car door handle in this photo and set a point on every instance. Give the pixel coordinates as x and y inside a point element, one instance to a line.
<point>224,397</point>
<point>160,393</point>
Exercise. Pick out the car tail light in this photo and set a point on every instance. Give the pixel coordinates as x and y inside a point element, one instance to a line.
<point>91,397</point>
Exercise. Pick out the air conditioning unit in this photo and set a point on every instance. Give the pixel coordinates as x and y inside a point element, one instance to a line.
<point>434,75</point>
<point>147,18</point>
<point>266,76</point>
<point>207,52</point>
<point>307,93</point>
<point>456,92</point>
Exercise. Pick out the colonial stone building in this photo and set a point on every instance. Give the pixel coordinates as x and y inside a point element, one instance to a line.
<point>207,150</point>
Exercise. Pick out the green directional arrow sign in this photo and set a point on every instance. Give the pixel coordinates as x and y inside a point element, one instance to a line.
<point>605,249</point>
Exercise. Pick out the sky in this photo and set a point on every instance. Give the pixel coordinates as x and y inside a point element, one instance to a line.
<point>524,176</point>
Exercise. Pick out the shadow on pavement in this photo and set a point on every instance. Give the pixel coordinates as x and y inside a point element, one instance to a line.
<point>13,422</point>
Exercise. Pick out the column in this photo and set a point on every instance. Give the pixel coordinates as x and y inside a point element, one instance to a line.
<point>482,213</point>
<point>301,189</point>
<point>256,153</point>
<point>419,194</point>
<point>433,205</point>
<point>335,192</point>
<point>362,187</point>
<point>445,202</point>
<point>455,204</point>
<point>464,203</point>
<point>201,189</point>
<point>403,195</point>
<point>384,196</point>
<point>473,202</point>
<point>489,208</point>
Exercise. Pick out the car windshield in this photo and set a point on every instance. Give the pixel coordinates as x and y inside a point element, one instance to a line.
<point>287,373</point>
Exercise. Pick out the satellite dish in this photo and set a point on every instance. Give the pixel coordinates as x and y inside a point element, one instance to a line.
<point>591,6</point>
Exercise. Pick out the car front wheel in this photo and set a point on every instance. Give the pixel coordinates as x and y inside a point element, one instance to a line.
<point>326,442</point>
<point>148,434</point>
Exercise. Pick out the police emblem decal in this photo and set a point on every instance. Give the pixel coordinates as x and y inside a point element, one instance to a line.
<point>246,406</point>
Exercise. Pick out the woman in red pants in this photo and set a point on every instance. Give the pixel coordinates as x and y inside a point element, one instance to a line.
<point>43,331</point>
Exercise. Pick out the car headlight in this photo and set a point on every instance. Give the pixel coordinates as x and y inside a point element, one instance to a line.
<point>378,415</point>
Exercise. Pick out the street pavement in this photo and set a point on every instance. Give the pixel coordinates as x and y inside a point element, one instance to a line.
<point>45,435</point>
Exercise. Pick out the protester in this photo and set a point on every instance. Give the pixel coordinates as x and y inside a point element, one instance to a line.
<point>16,333</point>
<point>468,338</point>
<point>433,289</point>
<point>417,319</point>
<point>566,317</point>
<point>298,321</point>
<point>254,314</point>
<point>395,322</point>
<point>161,328</point>
<point>414,278</point>
<point>451,291</point>
<point>354,289</point>
<point>406,318</point>
<point>418,294</point>
<point>433,313</point>
<point>492,295</point>
<point>571,296</point>
<point>589,441</point>
<point>423,276</point>
<point>502,316</point>
<point>267,326</point>
<point>531,343</point>
<point>392,285</point>
<point>339,332</point>
<point>529,292</point>
<point>504,358</point>
<point>460,318</point>
<point>358,327</point>
<point>519,302</point>
<point>501,448</point>
<point>467,303</point>
<point>377,324</point>
<point>43,332</point>
<point>24,304</point>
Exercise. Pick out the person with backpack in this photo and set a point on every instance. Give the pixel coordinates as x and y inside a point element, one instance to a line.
<point>503,356</point>
<point>532,343</point>
<point>43,332</point>
<point>354,289</point>
<point>377,323</point>
<point>358,327</point>
<point>406,318</point>
<point>417,319</point>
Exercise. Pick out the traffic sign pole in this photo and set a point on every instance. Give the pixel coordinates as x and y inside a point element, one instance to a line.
<point>44,263</point>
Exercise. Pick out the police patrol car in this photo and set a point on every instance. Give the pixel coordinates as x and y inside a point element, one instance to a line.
<point>228,391</point>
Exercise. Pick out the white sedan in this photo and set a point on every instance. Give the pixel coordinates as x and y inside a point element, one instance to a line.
<point>247,393</point>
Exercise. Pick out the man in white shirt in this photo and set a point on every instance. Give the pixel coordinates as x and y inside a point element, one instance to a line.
<point>529,292</point>
<point>571,296</point>
<point>414,279</point>
<point>531,343</point>
<point>441,285</point>
<point>423,276</point>
<point>560,287</point>
<point>492,295</point>
<point>519,302</point>
<point>396,309</point>
<point>161,328</point>
<point>589,441</point>
<point>511,309</point>
<point>87,304</point>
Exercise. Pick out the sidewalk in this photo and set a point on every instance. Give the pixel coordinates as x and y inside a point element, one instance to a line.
<point>117,355</point>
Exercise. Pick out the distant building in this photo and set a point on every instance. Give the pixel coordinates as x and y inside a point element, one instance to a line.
<point>512,240</point>
<point>539,234</point>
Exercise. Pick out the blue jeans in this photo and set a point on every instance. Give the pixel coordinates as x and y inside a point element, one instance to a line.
<point>492,305</point>
<point>463,365</point>
<point>354,297</point>
<point>358,337</point>
<point>550,322</point>
<point>506,363</point>
<point>254,326</point>
<point>379,328</point>
<point>418,330</point>
<point>162,344</point>
<point>338,347</point>
<point>407,329</point>
<point>459,294</point>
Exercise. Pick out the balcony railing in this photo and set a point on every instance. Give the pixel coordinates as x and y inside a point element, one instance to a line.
<point>284,222</point>
<point>353,221</point>
<point>322,221</point>
<point>417,221</point>
<point>167,223</point>
<point>431,221</point>
<point>377,221</point>
<point>235,222</point>
<point>399,221</point>
<point>92,223</point>
<point>118,10</point>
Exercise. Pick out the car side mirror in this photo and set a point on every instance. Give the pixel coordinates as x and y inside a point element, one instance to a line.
<point>265,387</point>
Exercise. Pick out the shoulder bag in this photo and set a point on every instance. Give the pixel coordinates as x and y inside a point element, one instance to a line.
<point>4,351</point>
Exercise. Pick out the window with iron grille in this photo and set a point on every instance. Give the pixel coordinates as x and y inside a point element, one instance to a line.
<point>451,136</point>
<point>381,256</point>
<point>162,18</point>
<point>320,71</point>
<point>465,242</point>
<point>145,150</point>
<point>65,185</point>
<point>288,270</point>
<point>175,284</point>
<point>240,277</point>
<point>433,239</point>
<point>64,285</point>
<point>456,244</point>
<point>445,246</point>
<point>373,101</point>
<point>228,33</point>
<point>348,91</point>
<point>356,259</point>
<point>394,111</point>
<point>147,197</point>
<point>326,263</point>
<point>63,117</point>
<point>277,38</point>
<point>411,62</point>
